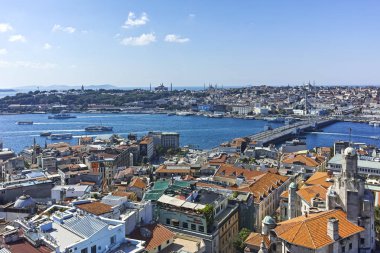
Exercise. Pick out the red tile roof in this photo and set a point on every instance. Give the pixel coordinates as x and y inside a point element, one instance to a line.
<point>264,185</point>
<point>138,183</point>
<point>160,234</point>
<point>230,171</point>
<point>255,239</point>
<point>311,231</point>
<point>321,178</point>
<point>97,208</point>
<point>309,192</point>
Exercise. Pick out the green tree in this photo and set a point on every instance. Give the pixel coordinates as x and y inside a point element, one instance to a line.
<point>208,212</point>
<point>377,221</point>
<point>240,238</point>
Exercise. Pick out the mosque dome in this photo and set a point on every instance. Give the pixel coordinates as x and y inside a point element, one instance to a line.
<point>350,151</point>
<point>24,201</point>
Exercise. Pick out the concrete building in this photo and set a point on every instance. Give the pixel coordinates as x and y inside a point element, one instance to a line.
<point>60,192</point>
<point>70,232</point>
<point>185,216</point>
<point>165,139</point>
<point>37,189</point>
<point>147,147</point>
<point>367,166</point>
<point>346,225</point>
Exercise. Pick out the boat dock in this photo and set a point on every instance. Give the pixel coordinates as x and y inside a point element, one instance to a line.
<point>286,132</point>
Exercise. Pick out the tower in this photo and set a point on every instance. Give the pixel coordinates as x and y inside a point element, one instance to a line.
<point>306,112</point>
<point>292,204</point>
<point>350,163</point>
<point>171,87</point>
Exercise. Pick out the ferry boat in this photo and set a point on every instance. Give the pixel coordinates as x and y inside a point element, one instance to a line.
<point>61,136</point>
<point>98,129</point>
<point>62,115</point>
<point>184,113</point>
<point>24,122</point>
<point>275,119</point>
<point>44,134</point>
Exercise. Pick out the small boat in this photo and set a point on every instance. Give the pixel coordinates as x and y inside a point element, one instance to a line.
<point>44,134</point>
<point>171,113</point>
<point>184,113</point>
<point>24,122</point>
<point>98,129</point>
<point>61,136</point>
<point>62,115</point>
<point>268,127</point>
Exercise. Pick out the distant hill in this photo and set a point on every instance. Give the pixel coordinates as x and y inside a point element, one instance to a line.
<point>7,90</point>
<point>68,87</point>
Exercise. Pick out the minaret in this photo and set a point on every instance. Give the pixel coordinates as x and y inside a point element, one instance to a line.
<point>34,151</point>
<point>306,103</point>
<point>292,206</point>
<point>150,87</point>
<point>171,87</point>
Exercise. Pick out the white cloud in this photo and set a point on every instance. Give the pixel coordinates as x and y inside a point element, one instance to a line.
<point>176,38</point>
<point>66,29</point>
<point>192,15</point>
<point>4,27</point>
<point>142,40</point>
<point>3,51</point>
<point>27,64</point>
<point>47,46</point>
<point>134,21</point>
<point>17,38</point>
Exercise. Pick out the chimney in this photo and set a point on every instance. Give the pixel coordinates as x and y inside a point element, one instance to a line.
<point>333,228</point>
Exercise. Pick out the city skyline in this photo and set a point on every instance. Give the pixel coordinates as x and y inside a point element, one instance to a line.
<point>190,43</point>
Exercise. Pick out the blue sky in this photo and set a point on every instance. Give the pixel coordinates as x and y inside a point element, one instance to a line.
<point>189,43</point>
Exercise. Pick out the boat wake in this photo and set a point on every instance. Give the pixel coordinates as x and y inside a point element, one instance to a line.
<point>341,134</point>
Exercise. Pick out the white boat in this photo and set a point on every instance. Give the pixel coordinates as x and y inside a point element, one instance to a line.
<point>62,115</point>
<point>65,136</point>
<point>184,113</point>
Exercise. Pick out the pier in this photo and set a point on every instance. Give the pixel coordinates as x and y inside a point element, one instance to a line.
<point>285,132</point>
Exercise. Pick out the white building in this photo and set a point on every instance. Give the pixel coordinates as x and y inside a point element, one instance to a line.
<point>367,166</point>
<point>69,232</point>
<point>60,192</point>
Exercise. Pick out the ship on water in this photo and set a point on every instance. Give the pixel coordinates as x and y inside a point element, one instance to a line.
<point>65,136</point>
<point>62,115</point>
<point>45,134</point>
<point>99,129</point>
<point>24,123</point>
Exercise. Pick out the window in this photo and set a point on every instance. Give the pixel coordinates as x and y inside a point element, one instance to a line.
<point>113,239</point>
<point>201,228</point>
<point>343,249</point>
<point>84,250</point>
<point>185,225</point>
<point>362,240</point>
<point>350,246</point>
<point>93,249</point>
<point>193,227</point>
<point>168,221</point>
<point>175,223</point>
<point>167,242</point>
